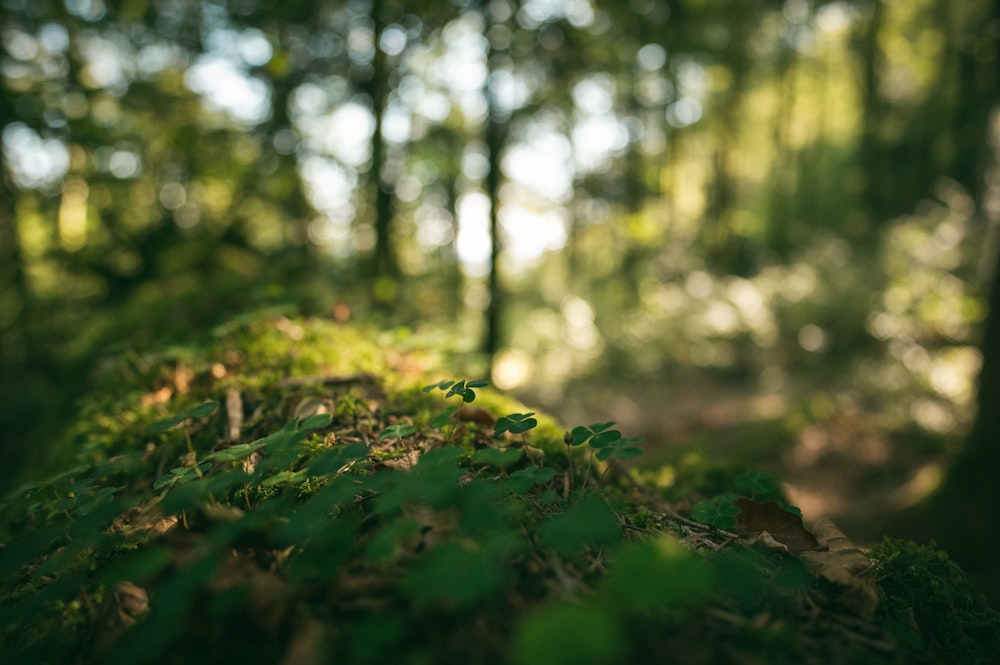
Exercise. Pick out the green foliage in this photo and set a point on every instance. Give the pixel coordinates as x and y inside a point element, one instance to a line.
<point>460,387</point>
<point>586,523</point>
<point>444,417</point>
<point>515,423</point>
<point>523,480</point>
<point>719,511</point>
<point>199,411</point>
<point>499,458</point>
<point>373,539</point>
<point>608,442</point>
<point>756,484</point>
<point>929,604</point>
<point>396,432</point>
<point>657,576</point>
<point>569,635</point>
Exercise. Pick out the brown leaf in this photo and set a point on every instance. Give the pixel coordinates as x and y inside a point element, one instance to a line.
<point>838,560</point>
<point>757,517</point>
<point>311,406</point>
<point>476,414</point>
<point>121,607</point>
<point>130,602</point>
<point>407,461</point>
<point>159,396</point>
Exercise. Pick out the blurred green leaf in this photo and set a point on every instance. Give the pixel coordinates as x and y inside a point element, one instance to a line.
<point>194,412</point>
<point>451,576</point>
<point>570,635</point>
<point>443,418</point>
<point>396,432</point>
<point>440,385</point>
<point>233,453</point>
<point>499,458</point>
<point>755,483</point>
<point>316,421</point>
<point>719,511</point>
<point>587,522</point>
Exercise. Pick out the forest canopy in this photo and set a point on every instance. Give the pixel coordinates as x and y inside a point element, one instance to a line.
<point>798,196</point>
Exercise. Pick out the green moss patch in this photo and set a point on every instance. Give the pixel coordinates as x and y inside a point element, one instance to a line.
<point>295,491</point>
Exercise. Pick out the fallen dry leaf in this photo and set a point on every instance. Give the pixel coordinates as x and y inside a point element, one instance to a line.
<point>407,461</point>
<point>130,602</point>
<point>838,560</point>
<point>312,406</point>
<point>759,517</point>
<point>121,607</point>
<point>476,414</point>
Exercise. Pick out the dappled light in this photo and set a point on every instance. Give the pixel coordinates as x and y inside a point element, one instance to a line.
<point>761,236</point>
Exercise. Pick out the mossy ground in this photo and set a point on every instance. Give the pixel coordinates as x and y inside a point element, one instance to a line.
<point>287,492</point>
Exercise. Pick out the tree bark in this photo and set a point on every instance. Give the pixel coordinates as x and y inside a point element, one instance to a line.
<point>495,129</point>
<point>965,507</point>
<point>386,268</point>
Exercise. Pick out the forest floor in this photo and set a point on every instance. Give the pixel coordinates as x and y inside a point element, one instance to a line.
<point>297,494</point>
<point>872,480</point>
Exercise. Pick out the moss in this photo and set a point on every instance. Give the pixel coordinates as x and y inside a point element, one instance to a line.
<point>928,603</point>
<point>296,535</point>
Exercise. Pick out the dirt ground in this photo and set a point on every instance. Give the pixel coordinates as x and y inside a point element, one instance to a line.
<point>866,479</point>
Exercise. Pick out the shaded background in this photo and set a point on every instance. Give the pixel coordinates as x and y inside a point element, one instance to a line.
<point>748,230</point>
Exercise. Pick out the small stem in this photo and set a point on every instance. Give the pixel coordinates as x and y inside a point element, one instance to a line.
<point>607,467</point>
<point>569,464</point>
<point>194,456</point>
<point>590,463</point>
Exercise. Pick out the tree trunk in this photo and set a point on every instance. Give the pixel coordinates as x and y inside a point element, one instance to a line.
<point>14,338</point>
<point>385,267</point>
<point>964,510</point>
<point>965,507</point>
<point>495,128</point>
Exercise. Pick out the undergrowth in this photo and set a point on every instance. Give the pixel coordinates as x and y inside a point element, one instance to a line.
<point>289,492</point>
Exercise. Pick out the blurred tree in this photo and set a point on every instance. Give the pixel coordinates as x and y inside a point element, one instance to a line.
<point>382,174</point>
<point>682,184</point>
<point>496,126</point>
<point>965,507</point>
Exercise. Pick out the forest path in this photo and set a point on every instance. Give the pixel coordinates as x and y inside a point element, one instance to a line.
<point>867,479</point>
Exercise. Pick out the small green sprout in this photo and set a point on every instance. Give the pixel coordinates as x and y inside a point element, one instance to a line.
<point>462,388</point>
<point>515,423</point>
<point>608,442</point>
<point>599,434</point>
<point>396,432</point>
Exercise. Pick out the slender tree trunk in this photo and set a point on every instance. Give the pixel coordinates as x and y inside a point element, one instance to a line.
<point>495,131</point>
<point>15,347</point>
<point>872,195</point>
<point>386,269</point>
